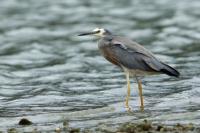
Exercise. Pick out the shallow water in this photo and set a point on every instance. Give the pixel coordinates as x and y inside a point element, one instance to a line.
<point>49,75</point>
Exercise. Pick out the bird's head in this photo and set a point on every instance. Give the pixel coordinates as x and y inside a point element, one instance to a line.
<point>99,32</point>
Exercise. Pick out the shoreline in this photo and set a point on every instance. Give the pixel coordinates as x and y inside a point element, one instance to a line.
<point>144,126</point>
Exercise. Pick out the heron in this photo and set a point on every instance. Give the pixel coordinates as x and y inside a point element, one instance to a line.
<point>134,59</point>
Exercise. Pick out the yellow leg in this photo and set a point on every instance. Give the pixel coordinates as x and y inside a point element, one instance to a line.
<point>141,97</point>
<point>128,92</point>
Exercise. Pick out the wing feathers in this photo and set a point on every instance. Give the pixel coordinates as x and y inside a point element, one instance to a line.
<point>124,52</point>
<point>136,60</point>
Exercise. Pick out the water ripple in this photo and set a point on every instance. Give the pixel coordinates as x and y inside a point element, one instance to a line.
<point>49,74</point>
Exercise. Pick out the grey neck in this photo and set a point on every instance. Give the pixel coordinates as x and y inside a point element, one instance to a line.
<point>108,37</point>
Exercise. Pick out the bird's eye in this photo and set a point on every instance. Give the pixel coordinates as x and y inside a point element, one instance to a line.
<point>97,31</point>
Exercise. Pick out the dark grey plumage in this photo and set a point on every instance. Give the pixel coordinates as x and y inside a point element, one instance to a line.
<point>123,52</point>
<point>133,58</point>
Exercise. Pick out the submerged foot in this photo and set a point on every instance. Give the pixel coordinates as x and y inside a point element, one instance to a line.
<point>142,108</point>
<point>128,108</point>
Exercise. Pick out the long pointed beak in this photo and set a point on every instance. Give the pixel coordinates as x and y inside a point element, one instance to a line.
<point>87,33</point>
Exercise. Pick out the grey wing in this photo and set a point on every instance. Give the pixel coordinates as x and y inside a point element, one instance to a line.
<point>133,46</point>
<point>132,59</point>
<point>135,60</point>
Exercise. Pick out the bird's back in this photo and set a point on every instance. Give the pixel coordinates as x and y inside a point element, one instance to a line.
<point>134,46</point>
<point>126,53</point>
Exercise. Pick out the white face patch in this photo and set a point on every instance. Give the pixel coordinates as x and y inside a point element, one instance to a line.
<point>100,33</point>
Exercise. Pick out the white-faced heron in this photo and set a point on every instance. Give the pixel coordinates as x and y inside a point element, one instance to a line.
<point>131,57</point>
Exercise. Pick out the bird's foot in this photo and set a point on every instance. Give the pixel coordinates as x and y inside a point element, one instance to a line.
<point>142,108</point>
<point>128,108</point>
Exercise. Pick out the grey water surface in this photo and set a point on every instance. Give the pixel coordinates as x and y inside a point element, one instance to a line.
<point>49,75</point>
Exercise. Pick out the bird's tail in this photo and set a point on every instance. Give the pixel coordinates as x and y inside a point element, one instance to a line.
<point>170,71</point>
